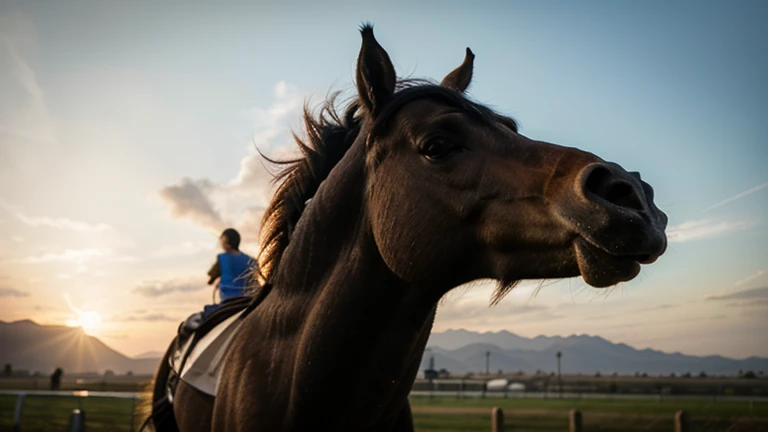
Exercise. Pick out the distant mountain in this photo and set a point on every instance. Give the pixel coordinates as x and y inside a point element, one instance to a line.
<point>149,355</point>
<point>462,351</point>
<point>39,348</point>
<point>34,347</point>
<point>455,339</point>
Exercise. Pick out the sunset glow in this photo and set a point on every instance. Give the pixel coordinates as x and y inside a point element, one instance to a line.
<point>127,147</point>
<point>87,320</point>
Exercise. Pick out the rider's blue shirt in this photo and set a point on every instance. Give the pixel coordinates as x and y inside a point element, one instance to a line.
<point>234,274</point>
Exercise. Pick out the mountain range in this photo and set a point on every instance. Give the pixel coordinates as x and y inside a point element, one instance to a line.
<point>33,347</point>
<point>29,346</point>
<point>462,351</point>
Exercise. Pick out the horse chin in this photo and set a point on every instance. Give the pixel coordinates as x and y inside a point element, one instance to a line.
<point>601,269</point>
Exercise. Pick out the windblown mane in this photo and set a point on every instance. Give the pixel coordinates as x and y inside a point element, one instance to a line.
<point>328,137</point>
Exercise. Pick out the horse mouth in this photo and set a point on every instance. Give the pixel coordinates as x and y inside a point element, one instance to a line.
<point>600,268</point>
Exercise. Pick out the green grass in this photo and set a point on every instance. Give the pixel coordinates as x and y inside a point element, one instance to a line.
<point>43,414</point>
<point>446,414</point>
<point>453,415</point>
<point>617,406</point>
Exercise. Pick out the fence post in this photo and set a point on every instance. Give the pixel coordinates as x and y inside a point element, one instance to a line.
<point>17,412</point>
<point>681,422</point>
<point>574,421</point>
<point>497,420</point>
<point>77,421</point>
<point>133,414</point>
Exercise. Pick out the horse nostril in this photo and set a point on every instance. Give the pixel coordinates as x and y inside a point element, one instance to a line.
<point>604,183</point>
<point>623,194</point>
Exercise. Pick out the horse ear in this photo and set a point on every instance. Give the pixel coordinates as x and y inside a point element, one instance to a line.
<point>460,77</point>
<point>375,74</point>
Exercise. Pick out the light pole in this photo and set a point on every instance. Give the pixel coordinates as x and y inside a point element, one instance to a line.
<point>559,376</point>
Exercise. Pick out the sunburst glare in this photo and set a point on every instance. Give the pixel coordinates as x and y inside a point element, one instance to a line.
<point>87,320</point>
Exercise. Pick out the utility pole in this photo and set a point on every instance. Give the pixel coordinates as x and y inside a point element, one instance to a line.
<point>487,362</point>
<point>559,376</point>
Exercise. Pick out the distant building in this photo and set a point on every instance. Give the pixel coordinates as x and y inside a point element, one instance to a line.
<point>430,373</point>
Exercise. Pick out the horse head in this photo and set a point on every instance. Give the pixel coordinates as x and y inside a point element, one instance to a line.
<point>456,193</point>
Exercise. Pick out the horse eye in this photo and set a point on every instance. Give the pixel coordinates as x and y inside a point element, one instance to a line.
<point>438,148</point>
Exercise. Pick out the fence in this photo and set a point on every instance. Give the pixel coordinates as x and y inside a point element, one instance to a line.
<point>478,388</point>
<point>77,417</point>
<point>575,423</point>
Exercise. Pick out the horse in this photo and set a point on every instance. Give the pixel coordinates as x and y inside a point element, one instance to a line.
<point>410,191</point>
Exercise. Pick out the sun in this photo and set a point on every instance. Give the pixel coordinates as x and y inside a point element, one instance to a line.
<point>87,320</point>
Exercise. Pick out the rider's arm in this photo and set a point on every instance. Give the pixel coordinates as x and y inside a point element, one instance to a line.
<point>214,273</point>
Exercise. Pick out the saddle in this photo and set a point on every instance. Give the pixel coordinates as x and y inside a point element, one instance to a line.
<point>201,346</point>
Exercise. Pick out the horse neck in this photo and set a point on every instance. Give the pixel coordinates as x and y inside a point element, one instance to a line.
<point>353,319</point>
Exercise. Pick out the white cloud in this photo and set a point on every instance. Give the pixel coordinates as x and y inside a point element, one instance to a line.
<point>77,256</point>
<point>704,229</point>
<point>144,316</point>
<point>469,306</point>
<point>749,294</point>
<point>184,249</point>
<point>56,222</point>
<point>32,122</point>
<point>61,223</point>
<point>80,257</point>
<point>738,196</point>
<point>751,277</point>
<point>12,292</point>
<point>215,206</point>
<point>158,288</point>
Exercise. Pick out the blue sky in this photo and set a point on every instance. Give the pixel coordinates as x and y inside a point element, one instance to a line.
<point>128,130</point>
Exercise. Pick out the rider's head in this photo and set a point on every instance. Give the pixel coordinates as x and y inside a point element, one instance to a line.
<point>230,240</point>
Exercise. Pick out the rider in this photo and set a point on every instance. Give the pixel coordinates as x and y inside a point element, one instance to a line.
<point>231,268</point>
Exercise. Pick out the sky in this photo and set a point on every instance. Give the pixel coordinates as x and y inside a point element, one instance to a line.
<point>129,135</point>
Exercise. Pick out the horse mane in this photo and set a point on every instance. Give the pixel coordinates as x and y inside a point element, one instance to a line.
<point>328,137</point>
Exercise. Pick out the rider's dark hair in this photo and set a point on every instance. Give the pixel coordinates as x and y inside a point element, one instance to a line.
<point>233,238</point>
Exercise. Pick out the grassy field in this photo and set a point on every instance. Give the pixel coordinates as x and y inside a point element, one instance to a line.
<point>52,413</point>
<point>446,414</point>
<point>452,415</point>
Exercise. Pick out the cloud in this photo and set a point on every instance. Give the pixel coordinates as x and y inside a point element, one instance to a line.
<point>159,288</point>
<point>474,306</point>
<point>704,229</point>
<point>11,292</point>
<point>240,202</point>
<point>147,317</point>
<point>184,249</point>
<point>750,294</point>
<point>751,277</point>
<point>737,196</point>
<point>191,200</point>
<point>77,256</point>
<point>657,307</point>
<point>61,223</point>
<point>33,122</point>
<point>58,223</point>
